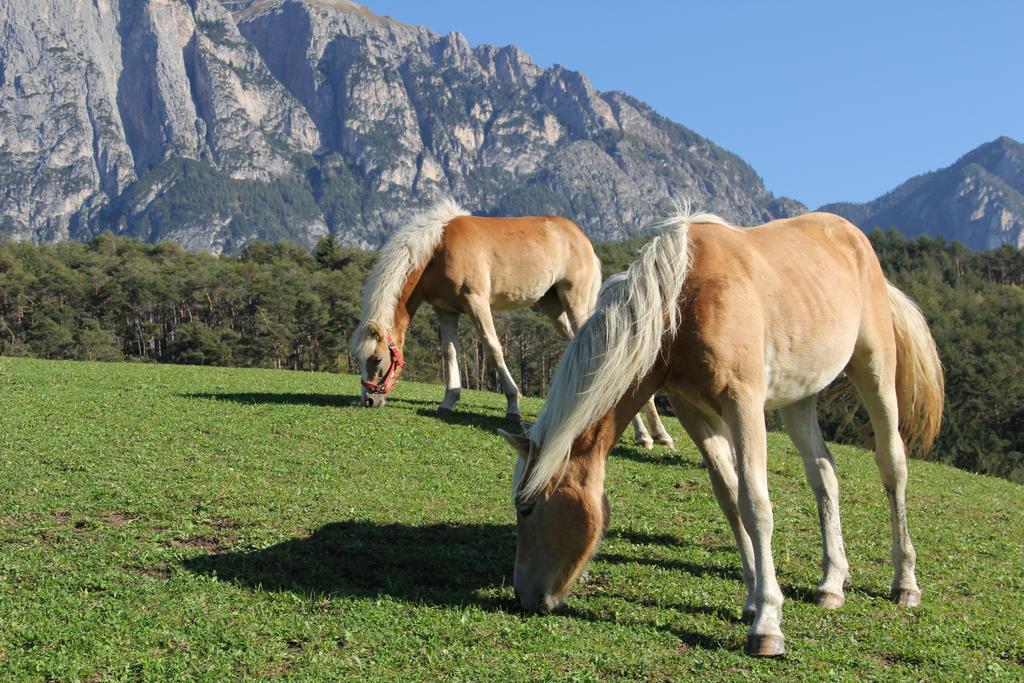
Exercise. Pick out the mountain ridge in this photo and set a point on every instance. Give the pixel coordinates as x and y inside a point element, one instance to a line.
<point>163,119</point>
<point>977,200</point>
<point>195,121</point>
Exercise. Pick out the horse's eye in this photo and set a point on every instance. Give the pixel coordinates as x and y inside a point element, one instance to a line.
<point>375,359</point>
<point>526,508</point>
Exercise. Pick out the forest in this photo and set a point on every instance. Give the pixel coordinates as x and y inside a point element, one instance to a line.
<point>282,306</point>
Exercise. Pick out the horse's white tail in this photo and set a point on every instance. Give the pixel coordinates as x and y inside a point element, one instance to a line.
<point>614,349</point>
<point>919,381</point>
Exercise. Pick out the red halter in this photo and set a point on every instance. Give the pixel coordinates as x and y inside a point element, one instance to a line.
<point>388,381</point>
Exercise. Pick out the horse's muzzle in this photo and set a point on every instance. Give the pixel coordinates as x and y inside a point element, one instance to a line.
<point>371,400</point>
<point>541,604</point>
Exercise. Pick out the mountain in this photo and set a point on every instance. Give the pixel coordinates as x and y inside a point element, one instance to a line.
<point>216,123</point>
<point>979,200</point>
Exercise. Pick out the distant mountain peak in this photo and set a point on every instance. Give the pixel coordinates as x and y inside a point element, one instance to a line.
<point>978,200</point>
<point>1005,141</point>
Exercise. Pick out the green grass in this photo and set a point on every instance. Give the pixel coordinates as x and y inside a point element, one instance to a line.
<point>168,522</point>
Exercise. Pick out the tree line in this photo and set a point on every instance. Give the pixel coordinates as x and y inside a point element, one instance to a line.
<point>281,306</point>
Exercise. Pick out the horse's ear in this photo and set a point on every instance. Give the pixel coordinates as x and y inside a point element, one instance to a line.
<point>520,442</point>
<point>375,330</point>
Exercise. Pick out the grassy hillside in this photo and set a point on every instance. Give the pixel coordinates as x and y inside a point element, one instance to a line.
<point>169,522</point>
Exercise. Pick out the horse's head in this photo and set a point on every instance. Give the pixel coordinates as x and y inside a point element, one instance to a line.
<point>379,359</point>
<point>557,530</point>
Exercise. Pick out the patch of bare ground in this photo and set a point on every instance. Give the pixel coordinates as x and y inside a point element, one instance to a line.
<point>115,519</point>
<point>159,572</point>
<point>223,522</point>
<point>279,669</point>
<point>208,542</point>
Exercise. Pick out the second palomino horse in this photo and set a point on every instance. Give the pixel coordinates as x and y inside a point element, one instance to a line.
<point>460,263</point>
<point>731,322</point>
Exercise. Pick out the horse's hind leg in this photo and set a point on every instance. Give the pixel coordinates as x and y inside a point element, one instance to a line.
<point>642,437</point>
<point>551,306</point>
<point>576,303</point>
<point>481,313</point>
<point>661,434</point>
<point>713,440</point>
<point>640,433</point>
<point>801,420</point>
<point>874,378</point>
<point>450,361</point>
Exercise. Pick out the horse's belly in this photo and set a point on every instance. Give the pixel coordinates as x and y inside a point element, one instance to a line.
<point>790,379</point>
<point>513,297</point>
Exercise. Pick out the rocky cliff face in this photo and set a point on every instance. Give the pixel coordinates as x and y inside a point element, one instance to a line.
<point>979,200</point>
<point>214,123</point>
<point>96,95</point>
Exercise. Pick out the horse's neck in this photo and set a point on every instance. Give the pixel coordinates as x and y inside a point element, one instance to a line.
<point>408,302</point>
<point>591,447</point>
<point>595,442</point>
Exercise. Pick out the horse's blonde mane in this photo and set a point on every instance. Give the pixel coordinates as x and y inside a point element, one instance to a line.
<point>408,249</point>
<point>615,348</point>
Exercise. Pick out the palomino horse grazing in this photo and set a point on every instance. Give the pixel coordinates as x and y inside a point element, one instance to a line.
<point>731,322</point>
<point>466,264</point>
<point>460,263</point>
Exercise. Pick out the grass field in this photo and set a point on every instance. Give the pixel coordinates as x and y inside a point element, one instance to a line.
<point>167,522</point>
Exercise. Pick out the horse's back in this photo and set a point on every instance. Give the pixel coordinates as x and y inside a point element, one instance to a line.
<point>521,233</point>
<point>517,260</point>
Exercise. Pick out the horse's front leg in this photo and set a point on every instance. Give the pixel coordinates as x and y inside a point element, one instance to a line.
<point>714,441</point>
<point>450,361</point>
<point>744,413</point>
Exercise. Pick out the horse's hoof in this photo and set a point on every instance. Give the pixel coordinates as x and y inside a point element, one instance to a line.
<point>444,410</point>
<point>907,597</point>
<point>667,443</point>
<point>765,645</point>
<point>646,444</point>
<point>829,600</point>
<point>748,616</point>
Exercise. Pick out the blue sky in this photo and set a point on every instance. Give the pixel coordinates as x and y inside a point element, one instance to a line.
<point>828,101</point>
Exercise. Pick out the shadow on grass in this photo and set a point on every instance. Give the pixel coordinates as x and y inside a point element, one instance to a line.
<point>440,564</point>
<point>731,573</point>
<point>718,612</point>
<point>398,400</point>
<point>797,593</point>
<point>668,540</point>
<point>659,455</point>
<point>488,423</point>
<point>317,400</point>
<point>445,565</point>
<point>263,398</point>
<point>690,638</point>
<point>492,423</point>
